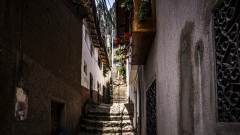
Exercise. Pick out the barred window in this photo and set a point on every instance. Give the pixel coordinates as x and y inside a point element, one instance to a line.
<point>227,55</point>
<point>151,110</point>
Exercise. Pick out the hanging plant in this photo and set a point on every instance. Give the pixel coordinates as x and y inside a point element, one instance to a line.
<point>143,10</point>
<point>124,39</point>
<point>127,35</point>
<point>121,54</point>
<point>117,41</point>
<point>127,4</point>
<point>121,70</point>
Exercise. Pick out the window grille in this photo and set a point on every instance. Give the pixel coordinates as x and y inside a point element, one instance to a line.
<point>227,54</point>
<point>151,110</point>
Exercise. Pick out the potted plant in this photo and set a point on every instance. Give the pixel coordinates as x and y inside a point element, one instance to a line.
<point>127,4</point>
<point>144,10</point>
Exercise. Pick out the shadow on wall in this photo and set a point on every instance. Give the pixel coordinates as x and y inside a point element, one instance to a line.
<point>186,80</point>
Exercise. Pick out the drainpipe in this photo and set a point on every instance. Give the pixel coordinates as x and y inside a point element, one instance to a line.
<point>112,69</point>
<point>112,57</point>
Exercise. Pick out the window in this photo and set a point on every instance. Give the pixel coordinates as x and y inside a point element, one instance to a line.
<point>97,85</point>
<point>151,110</point>
<point>88,42</point>
<point>227,56</point>
<point>85,68</point>
<point>100,87</point>
<point>100,62</point>
<point>92,50</point>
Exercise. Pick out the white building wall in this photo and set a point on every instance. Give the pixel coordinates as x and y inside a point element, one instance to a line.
<point>132,86</point>
<point>92,63</point>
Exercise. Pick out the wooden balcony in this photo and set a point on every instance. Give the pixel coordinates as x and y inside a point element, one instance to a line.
<point>93,23</point>
<point>143,33</point>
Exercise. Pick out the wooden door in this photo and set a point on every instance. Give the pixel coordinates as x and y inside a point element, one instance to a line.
<point>91,86</point>
<point>55,116</point>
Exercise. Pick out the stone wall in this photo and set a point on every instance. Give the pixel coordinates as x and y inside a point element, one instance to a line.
<point>95,96</point>
<point>40,62</point>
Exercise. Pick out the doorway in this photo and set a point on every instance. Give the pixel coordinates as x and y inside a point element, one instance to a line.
<point>106,94</point>
<point>98,88</point>
<point>57,124</point>
<point>91,86</point>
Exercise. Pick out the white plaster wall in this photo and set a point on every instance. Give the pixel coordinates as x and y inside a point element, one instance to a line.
<point>164,64</point>
<point>92,63</point>
<point>132,83</point>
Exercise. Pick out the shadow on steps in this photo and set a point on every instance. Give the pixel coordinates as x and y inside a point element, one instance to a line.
<point>107,119</point>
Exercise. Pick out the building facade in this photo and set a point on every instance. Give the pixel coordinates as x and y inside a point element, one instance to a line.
<point>188,81</point>
<point>93,76</point>
<point>40,66</point>
<point>96,73</point>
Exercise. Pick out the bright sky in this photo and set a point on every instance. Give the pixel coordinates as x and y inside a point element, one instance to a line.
<point>111,3</point>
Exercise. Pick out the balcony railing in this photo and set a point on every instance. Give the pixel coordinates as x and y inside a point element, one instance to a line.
<point>143,31</point>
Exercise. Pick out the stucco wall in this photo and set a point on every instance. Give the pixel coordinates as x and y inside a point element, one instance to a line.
<point>132,88</point>
<point>40,53</point>
<point>92,63</point>
<point>181,58</point>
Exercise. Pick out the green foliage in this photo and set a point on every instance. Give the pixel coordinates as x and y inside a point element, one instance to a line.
<point>121,70</point>
<point>106,18</point>
<point>143,10</point>
<point>118,58</point>
<point>127,4</point>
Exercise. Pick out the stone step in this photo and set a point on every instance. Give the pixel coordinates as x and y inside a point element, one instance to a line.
<point>119,101</point>
<point>126,133</point>
<point>96,123</point>
<point>107,118</point>
<point>105,113</point>
<point>90,129</point>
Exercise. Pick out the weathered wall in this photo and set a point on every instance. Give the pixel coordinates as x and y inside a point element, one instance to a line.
<point>147,74</point>
<point>40,52</point>
<point>182,59</point>
<point>92,63</point>
<point>95,96</point>
<point>85,93</point>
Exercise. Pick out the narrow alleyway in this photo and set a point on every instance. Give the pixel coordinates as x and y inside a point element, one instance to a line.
<point>110,119</point>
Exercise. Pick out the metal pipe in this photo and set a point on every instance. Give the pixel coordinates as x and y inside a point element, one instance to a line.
<point>112,56</point>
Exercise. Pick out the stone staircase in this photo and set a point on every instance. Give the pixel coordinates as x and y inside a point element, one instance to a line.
<point>120,100</point>
<point>119,94</point>
<point>106,119</point>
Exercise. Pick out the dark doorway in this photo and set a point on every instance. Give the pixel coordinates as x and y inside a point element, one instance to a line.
<point>98,88</point>
<point>55,118</point>
<point>106,94</point>
<point>91,86</point>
